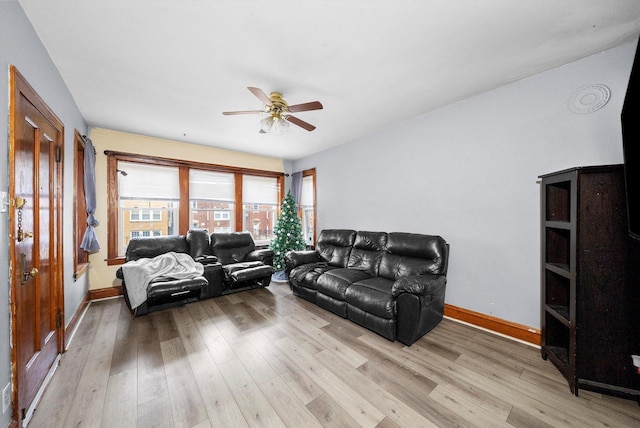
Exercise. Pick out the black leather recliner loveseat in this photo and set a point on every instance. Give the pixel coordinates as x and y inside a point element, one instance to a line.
<point>391,283</point>
<point>231,264</point>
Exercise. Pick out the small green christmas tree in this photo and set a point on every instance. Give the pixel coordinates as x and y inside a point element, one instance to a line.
<point>288,233</point>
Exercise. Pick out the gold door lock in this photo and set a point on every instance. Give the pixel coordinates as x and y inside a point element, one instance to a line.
<point>21,234</point>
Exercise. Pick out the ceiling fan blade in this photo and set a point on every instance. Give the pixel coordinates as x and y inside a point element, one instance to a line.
<point>313,105</point>
<point>230,113</point>
<point>261,95</point>
<point>300,123</point>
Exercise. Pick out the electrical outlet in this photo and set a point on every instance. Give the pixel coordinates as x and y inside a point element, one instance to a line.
<point>6,398</point>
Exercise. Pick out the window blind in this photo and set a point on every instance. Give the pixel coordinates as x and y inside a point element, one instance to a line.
<point>148,181</point>
<point>211,185</point>
<point>306,197</point>
<point>259,190</point>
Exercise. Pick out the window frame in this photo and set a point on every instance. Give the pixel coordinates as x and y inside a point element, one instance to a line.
<point>80,256</point>
<point>114,157</point>
<point>311,173</point>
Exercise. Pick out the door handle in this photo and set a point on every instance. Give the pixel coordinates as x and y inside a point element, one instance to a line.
<point>27,274</point>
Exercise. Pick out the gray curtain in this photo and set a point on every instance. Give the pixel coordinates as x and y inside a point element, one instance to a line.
<point>90,240</point>
<point>296,187</point>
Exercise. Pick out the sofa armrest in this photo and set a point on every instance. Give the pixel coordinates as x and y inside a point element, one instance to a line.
<point>420,285</point>
<point>263,255</point>
<point>293,259</point>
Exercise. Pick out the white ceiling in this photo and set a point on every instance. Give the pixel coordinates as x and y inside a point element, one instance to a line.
<point>169,68</point>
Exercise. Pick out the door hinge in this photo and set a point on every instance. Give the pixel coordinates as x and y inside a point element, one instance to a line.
<point>58,154</point>
<point>59,319</point>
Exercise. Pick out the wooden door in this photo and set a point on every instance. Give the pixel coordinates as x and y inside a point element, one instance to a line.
<point>36,256</point>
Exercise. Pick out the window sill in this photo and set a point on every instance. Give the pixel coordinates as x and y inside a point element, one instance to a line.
<point>115,261</point>
<point>81,269</point>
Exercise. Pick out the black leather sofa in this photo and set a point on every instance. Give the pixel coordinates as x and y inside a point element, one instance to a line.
<point>391,283</point>
<point>231,264</point>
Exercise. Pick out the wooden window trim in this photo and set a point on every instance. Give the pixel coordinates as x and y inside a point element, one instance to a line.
<point>184,166</point>
<point>80,257</point>
<point>312,173</point>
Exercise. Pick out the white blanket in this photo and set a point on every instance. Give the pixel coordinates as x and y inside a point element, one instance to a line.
<point>139,273</point>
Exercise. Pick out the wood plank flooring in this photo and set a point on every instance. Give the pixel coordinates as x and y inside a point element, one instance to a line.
<point>265,358</point>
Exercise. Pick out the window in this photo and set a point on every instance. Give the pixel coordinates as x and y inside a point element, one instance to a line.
<point>145,215</point>
<point>221,215</point>
<point>146,192</point>
<point>260,206</point>
<point>159,196</point>
<point>308,206</point>
<point>211,200</point>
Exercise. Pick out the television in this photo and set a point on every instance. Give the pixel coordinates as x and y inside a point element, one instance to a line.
<point>631,147</point>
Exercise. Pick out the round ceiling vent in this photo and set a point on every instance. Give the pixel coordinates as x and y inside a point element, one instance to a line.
<point>588,99</point>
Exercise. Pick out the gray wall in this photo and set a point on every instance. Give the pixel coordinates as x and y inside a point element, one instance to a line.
<point>20,46</point>
<point>469,172</point>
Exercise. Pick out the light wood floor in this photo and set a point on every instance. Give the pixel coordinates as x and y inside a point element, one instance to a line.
<point>268,358</point>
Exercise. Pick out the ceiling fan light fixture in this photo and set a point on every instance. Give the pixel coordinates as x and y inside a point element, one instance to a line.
<point>280,126</point>
<point>274,124</point>
<point>266,124</point>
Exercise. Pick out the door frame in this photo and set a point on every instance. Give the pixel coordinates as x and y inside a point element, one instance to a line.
<point>19,85</point>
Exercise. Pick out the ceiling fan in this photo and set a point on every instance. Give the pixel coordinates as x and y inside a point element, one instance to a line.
<point>279,112</point>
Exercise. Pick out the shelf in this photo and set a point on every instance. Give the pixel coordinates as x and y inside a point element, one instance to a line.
<point>558,201</point>
<point>559,268</point>
<point>557,246</point>
<point>565,225</point>
<point>560,354</point>
<point>556,339</point>
<point>561,313</point>
<point>589,296</point>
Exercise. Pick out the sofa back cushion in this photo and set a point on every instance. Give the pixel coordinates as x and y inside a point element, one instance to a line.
<point>413,254</point>
<point>198,240</point>
<point>334,245</point>
<point>140,248</point>
<point>367,251</point>
<point>231,247</point>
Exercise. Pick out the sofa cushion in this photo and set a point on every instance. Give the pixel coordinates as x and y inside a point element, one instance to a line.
<point>412,254</point>
<point>231,247</point>
<point>372,296</point>
<point>334,246</point>
<point>393,266</point>
<point>150,247</point>
<point>367,251</point>
<point>198,240</point>
<point>334,283</point>
<point>307,275</point>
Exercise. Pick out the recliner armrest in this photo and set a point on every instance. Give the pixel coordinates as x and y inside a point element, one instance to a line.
<point>263,255</point>
<point>420,285</point>
<point>119,273</point>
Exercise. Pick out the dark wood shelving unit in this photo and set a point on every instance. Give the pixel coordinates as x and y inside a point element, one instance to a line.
<point>590,297</point>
